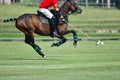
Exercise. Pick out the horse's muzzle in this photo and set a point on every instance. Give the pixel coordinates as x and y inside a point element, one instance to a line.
<point>79,11</point>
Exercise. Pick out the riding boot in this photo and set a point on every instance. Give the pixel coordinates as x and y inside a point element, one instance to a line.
<point>53,26</point>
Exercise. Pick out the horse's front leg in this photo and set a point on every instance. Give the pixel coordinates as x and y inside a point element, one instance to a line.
<point>62,40</point>
<point>75,37</point>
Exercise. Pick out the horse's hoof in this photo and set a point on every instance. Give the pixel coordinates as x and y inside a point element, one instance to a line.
<point>75,44</point>
<point>43,56</point>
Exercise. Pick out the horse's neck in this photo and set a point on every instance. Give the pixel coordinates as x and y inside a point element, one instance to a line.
<point>64,10</point>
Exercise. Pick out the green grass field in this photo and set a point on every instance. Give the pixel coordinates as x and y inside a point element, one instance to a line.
<point>18,61</point>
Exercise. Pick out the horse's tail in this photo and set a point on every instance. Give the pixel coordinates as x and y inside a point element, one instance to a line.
<point>9,20</point>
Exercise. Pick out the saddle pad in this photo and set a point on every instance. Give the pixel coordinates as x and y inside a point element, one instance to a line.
<point>44,20</point>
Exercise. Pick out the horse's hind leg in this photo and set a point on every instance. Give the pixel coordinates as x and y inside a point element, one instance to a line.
<point>29,39</point>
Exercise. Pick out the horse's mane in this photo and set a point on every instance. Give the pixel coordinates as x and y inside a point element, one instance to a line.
<point>62,8</point>
<point>63,5</point>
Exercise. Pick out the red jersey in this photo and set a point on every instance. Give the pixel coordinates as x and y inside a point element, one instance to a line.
<point>48,3</point>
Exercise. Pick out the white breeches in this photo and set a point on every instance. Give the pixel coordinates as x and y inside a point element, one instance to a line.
<point>46,12</point>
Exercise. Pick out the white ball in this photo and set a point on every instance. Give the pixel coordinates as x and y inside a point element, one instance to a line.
<point>102,43</point>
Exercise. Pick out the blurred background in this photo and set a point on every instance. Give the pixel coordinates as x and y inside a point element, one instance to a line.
<point>102,3</point>
<point>100,18</point>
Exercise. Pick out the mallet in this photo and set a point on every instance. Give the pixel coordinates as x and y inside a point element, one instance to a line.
<point>97,41</point>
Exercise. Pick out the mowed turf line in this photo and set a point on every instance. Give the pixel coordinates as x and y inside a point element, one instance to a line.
<point>87,61</point>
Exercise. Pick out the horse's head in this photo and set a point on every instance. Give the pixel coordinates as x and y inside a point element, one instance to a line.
<point>69,6</point>
<point>73,7</point>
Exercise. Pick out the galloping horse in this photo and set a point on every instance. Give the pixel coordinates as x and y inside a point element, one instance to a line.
<point>31,23</point>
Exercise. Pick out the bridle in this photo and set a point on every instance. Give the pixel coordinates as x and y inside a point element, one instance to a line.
<point>74,5</point>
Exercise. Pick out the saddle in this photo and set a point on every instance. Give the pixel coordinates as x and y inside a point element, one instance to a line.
<point>44,19</point>
<point>53,24</point>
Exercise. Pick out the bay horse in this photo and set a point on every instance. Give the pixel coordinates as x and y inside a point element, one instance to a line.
<point>31,23</point>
